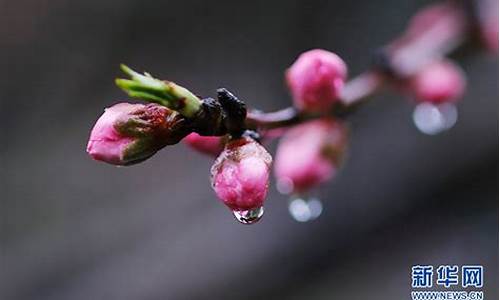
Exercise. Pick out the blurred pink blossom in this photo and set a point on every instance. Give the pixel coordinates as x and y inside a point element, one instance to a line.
<point>442,81</point>
<point>309,154</point>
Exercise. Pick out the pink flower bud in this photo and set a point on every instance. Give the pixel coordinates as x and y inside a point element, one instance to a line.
<point>438,82</point>
<point>130,133</point>
<point>490,35</point>
<point>309,154</point>
<point>240,175</point>
<point>428,16</point>
<point>488,23</point>
<point>211,145</point>
<point>315,79</point>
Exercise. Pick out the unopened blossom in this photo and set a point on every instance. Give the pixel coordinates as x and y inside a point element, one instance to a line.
<point>488,23</point>
<point>489,33</point>
<point>130,133</point>
<point>428,16</point>
<point>438,82</point>
<point>240,175</point>
<point>211,145</point>
<point>309,154</point>
<point>315,79</point>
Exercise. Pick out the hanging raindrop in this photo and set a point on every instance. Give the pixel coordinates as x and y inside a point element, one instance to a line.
<point>250,216</point>
<point>305,210</point>
<point>432,118</point>
<point>299,210</point>
<point>316,207</point>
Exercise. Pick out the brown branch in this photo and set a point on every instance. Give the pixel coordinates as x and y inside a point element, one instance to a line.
<point>399,60</point>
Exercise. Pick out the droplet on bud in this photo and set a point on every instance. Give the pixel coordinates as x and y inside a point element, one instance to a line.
<point>432,118</point>
<point>316,207</point>
<point>305,210</point>
<point>240,178</point>
<point>250,216</point>
<point>299,210</point>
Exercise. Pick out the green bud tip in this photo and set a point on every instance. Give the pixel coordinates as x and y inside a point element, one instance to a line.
<point>165,93</point>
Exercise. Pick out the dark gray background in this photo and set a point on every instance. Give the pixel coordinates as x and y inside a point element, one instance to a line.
<point>72,228</point>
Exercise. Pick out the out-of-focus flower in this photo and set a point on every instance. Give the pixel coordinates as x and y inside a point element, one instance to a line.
<point>240,175</point>
<point>438,82</point>
<point>315,79</point>
<point>130,133</point>
<point>309,154</point>
<point>427,17</point>
<point>444,21</point>
<point>488,22</point>
<point>211,145</point>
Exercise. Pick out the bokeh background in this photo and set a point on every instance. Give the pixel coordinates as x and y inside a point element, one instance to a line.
<point>73,228</point>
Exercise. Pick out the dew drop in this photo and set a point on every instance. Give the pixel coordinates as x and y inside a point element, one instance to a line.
<point>316,207</point>
<point>434,118</point>
<point>299,210</point>
<point>250,216</point>
<point>303,210</point>
<point>450,114</point>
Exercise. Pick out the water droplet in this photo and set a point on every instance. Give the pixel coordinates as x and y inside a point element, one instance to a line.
<point>250,216</point>
<point>434,118</point>
<point>450,114</point>
<point>316,207</point>
<point>284,186</point>
<point>305,210</point>
<point>299,210</point>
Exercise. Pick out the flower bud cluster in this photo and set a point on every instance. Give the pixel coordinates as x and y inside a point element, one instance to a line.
<point>313,140</point>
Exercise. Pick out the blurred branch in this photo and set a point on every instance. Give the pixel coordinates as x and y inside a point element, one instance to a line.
<point>393,64</point>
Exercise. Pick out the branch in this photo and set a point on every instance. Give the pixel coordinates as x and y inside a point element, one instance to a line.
<point>394,63</point>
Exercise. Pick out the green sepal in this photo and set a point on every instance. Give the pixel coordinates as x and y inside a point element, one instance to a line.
<point>165,93</point>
